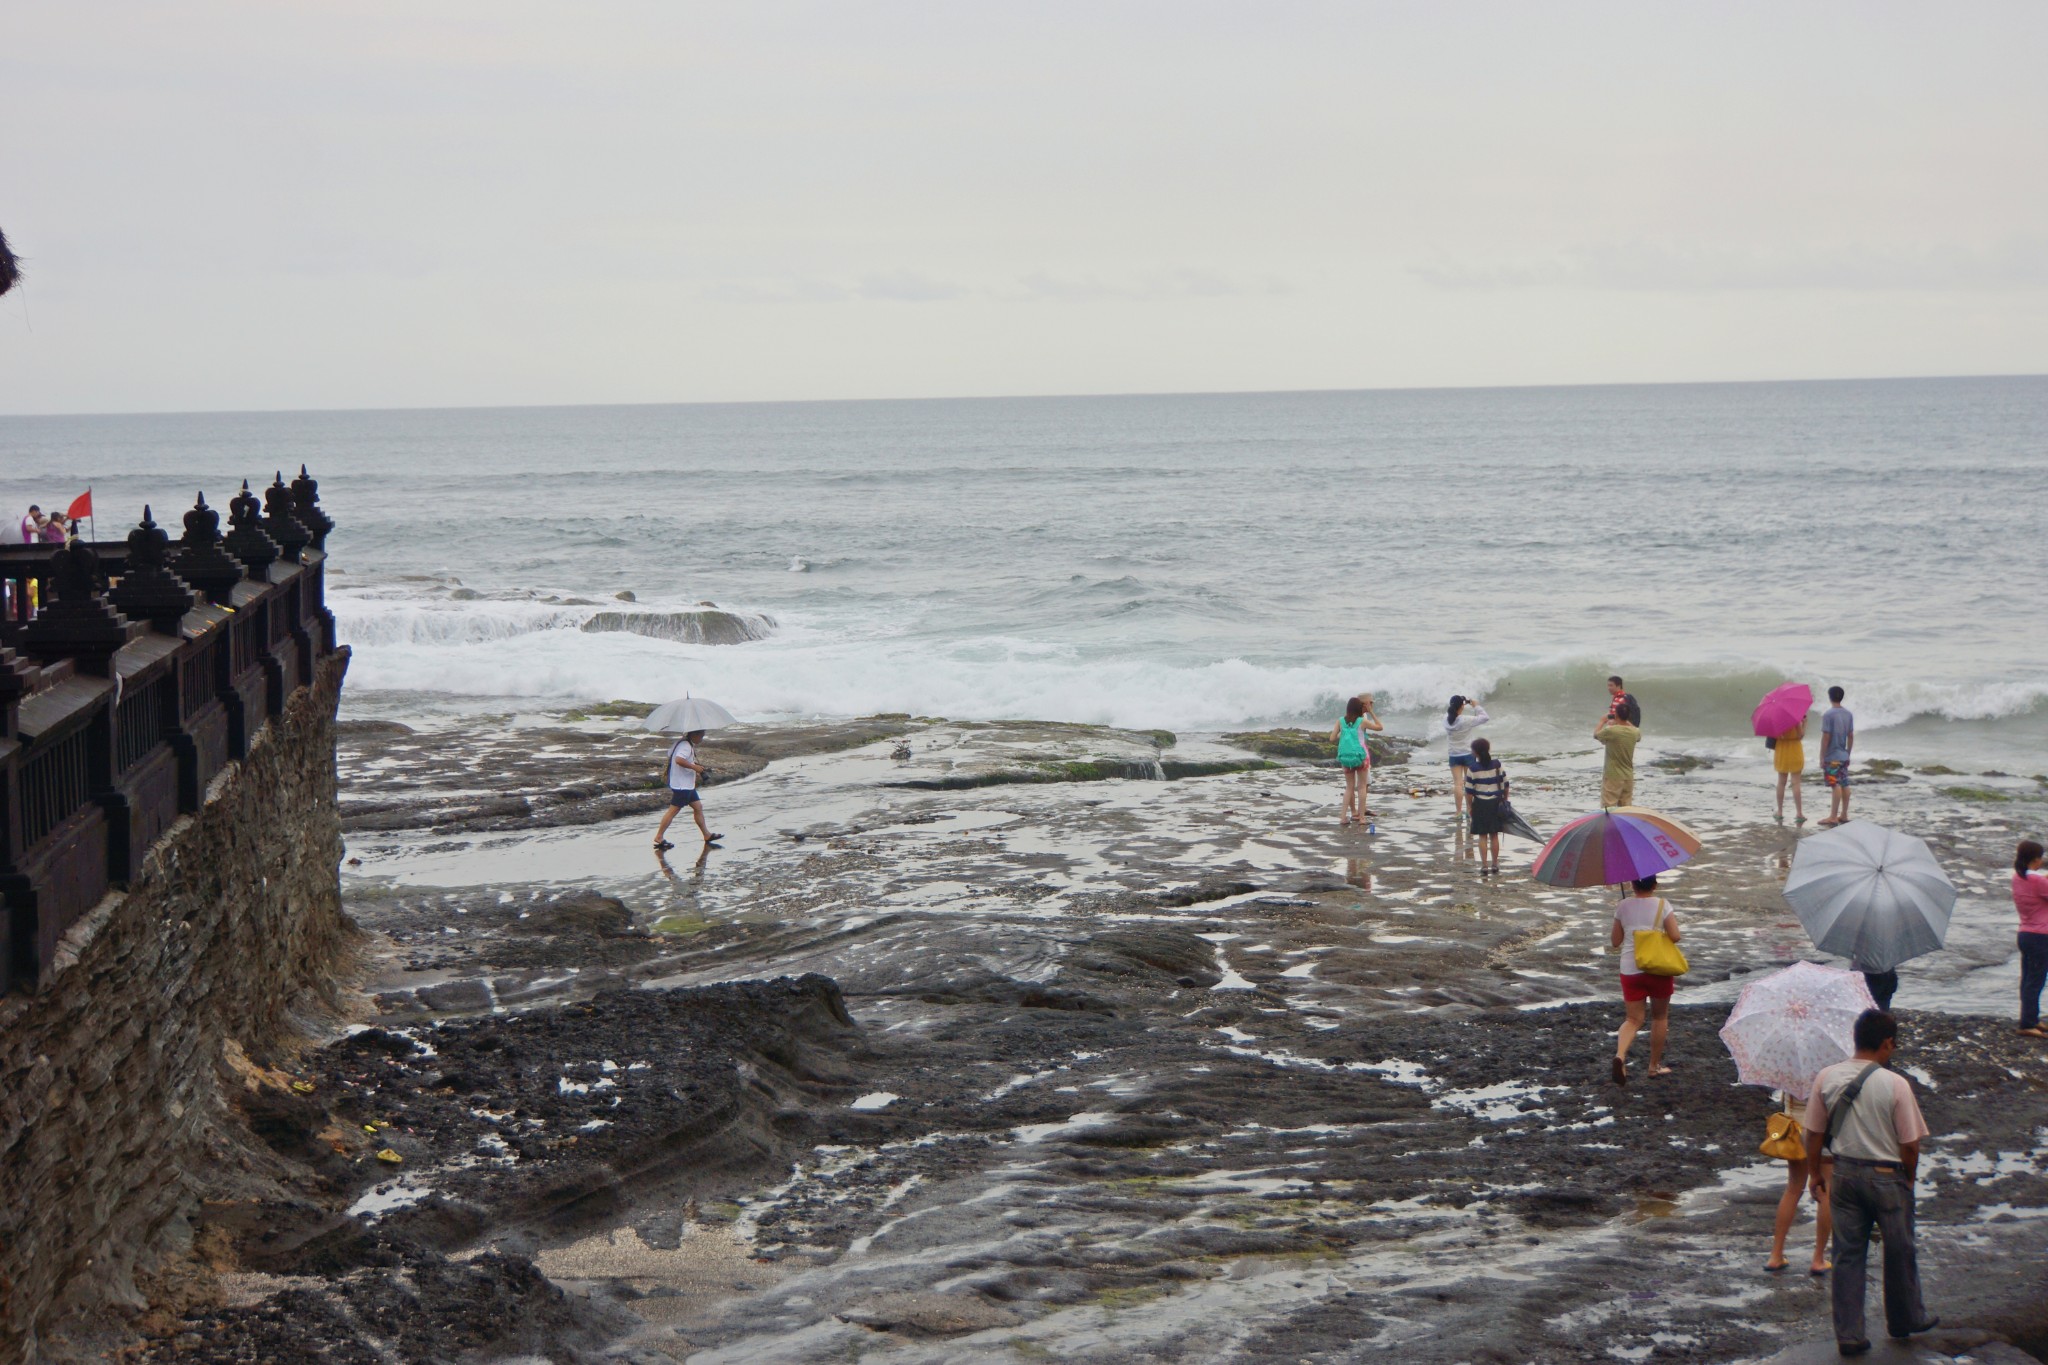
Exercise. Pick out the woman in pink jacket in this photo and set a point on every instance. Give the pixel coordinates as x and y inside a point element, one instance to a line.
<point>2030,898</point>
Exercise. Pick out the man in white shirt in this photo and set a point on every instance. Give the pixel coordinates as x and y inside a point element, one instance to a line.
<point>1865,1114</point>
<point>683,772</point>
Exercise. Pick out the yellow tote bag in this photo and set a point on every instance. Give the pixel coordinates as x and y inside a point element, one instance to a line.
<point>1781,1138</point>
<point>1656,953</point>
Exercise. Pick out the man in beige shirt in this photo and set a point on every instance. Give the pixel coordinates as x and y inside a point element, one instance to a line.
<point>1865,1114</point>
<point>1618,778</point>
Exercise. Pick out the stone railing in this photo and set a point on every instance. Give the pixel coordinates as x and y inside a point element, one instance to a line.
<point>131,676</point>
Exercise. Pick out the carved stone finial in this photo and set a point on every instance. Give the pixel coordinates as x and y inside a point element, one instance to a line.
<point>200,560</point>
<point>77,625</point>
<point>281,520</point>
<point>246,539</point>
<point>306,494</point>
<point>202,524</point>
<point>148,590</point>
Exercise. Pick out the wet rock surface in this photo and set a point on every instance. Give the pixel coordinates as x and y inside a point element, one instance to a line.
<point>505,777</point>
<point>1126,1070</point>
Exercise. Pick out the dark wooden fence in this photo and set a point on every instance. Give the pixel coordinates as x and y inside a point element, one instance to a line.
<point>131,675</point>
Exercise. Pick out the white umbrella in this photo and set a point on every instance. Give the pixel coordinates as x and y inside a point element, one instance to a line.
<point>691,713</point>
<point>1871,894</point>
<point>1786,1026</point>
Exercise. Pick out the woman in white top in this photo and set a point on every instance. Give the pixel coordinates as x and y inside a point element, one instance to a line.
<point>1462,718</point>
<point>1642,991</point>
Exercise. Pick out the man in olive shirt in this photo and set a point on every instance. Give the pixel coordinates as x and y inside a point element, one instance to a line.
<point>1875,1141</point>
<point>1618,779</point>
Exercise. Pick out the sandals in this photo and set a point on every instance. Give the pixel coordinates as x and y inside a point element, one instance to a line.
<point>2032,1032</point>
<point>1778,1269</point>
<point>662,845</point>
<point>1660,1071</point>
<point>1620,1072</point>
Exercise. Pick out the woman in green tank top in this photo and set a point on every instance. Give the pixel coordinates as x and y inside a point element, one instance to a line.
<point>1354,757</point>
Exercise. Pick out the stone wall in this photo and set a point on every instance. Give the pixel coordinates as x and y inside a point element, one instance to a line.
<point>114,1106</point>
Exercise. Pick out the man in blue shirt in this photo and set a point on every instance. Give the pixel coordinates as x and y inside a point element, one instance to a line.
<point>1837,739</point>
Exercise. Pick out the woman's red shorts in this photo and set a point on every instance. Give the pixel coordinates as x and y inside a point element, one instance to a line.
<point>1646,986</point>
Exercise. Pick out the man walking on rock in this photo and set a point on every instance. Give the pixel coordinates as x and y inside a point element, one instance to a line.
<point>1865,1114</point>
<point>683,772</point>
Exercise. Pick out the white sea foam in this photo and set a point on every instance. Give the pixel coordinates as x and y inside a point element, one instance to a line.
<point>987,679</point>
<point>814,667</point>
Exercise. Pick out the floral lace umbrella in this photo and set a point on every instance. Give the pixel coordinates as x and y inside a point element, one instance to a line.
<point>1787,1026</point>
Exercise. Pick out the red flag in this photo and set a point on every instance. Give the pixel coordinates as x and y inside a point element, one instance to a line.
<point>81,506</point>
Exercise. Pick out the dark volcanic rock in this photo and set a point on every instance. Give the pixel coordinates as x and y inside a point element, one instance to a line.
<point>408,1304</point>
<point>574,1104</point>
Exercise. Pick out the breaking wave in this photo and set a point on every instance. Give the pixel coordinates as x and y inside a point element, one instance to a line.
<point>369,623</point>
<point>805,672</point>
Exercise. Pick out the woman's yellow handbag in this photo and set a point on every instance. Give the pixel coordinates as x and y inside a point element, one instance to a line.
<point>1781,1138</point>
<point>1656,954</point>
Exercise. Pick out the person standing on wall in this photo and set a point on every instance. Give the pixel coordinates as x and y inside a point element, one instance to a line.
<point>1866,1116</point>
<point>1837,741</point>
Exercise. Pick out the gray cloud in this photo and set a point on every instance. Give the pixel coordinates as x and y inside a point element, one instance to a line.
<point>2017,263</point>
<point>910,286</point>
<point>1143,285</point>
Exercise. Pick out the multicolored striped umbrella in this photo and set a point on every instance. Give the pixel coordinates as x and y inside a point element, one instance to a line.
<point>1620,845</point>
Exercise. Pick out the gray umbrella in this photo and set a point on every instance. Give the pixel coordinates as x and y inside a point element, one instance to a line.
<point>690,713</point>
<point>1513,823</point>
<point>1871,894</point>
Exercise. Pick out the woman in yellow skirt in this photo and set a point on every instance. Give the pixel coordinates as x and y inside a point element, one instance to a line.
<point>1788,758</point>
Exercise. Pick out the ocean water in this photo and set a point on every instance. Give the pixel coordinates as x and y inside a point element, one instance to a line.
<point>1190,562</point>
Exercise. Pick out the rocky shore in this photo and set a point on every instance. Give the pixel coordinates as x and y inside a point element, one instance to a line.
<point>1013,1042</point>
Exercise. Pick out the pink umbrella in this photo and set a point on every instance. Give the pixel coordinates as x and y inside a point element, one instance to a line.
<point>1781,709</point>
<point>1786,1026</point>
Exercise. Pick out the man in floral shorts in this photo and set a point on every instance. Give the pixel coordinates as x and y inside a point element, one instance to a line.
<point>1837,739</point>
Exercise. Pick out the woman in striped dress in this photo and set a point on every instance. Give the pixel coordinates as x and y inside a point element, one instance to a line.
<point>1486,786</point>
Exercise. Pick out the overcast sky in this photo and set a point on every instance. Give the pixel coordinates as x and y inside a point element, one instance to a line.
<point>382,203</point>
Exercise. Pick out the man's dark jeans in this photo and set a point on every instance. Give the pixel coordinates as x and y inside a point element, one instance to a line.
<point>1882,987</point>
<point>1865,1194</point>
<point>2033,974</point>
